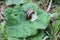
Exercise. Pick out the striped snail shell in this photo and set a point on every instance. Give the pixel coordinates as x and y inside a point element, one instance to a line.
<point>2,20</point>
<point>31,15</point>
<point>1,17</point>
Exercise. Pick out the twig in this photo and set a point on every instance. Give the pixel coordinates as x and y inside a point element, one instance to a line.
<point>49,6</point>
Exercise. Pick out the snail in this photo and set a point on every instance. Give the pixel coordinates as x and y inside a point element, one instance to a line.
<point>1,14</point>
<point>31,15</point>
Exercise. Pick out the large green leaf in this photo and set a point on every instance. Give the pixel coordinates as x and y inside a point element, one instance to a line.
<point>18,26</point>
<point>17,2</point>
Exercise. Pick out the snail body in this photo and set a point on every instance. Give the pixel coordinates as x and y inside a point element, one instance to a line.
<point>31,15</point>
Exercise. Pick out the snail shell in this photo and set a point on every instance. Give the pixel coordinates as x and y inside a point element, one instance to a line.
<point>31,15</point>
<point>1,17</point>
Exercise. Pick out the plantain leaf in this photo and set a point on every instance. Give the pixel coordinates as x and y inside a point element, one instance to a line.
<point>18,26</point>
